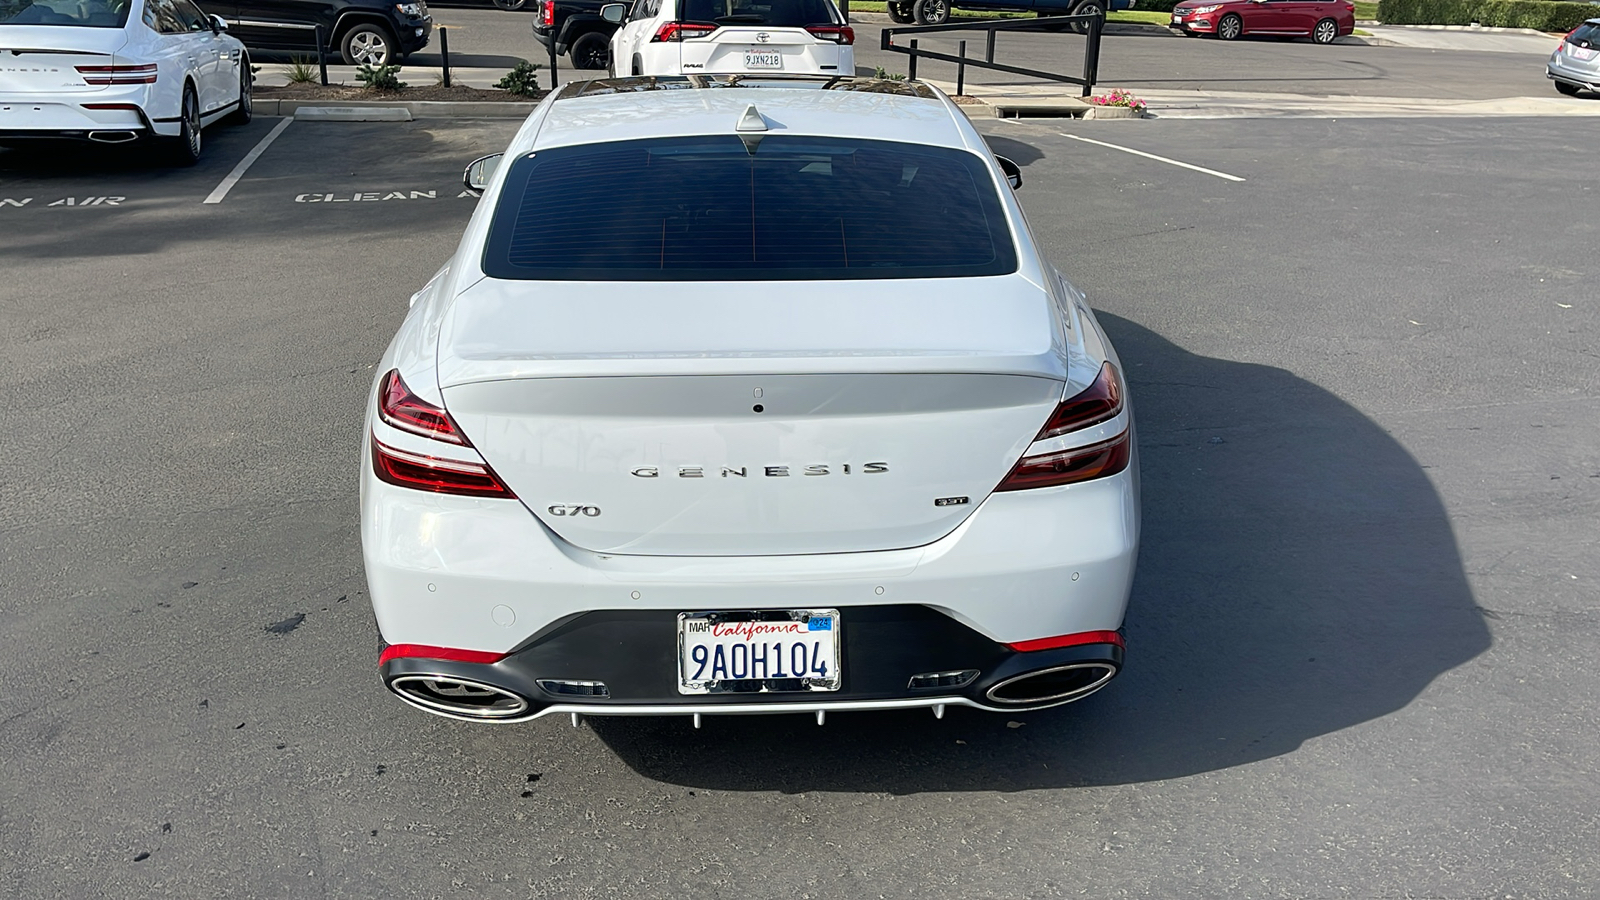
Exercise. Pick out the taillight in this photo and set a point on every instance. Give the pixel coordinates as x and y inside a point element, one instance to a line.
<point>431,473</point>
<point>145,74</point>
<point>839,34</point>
<point>680,31</point>
<point>1099,402</point>
<point>547,13</point>
<point>398,407</point>
<point>1094,404</point>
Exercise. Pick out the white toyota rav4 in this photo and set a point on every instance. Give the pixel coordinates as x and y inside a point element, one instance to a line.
<point>748,398</point>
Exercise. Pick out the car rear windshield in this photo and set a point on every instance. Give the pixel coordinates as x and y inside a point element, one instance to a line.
<point>732,208</point>
<point>85,13</point>
<point>772,13</point>
<point>1586,35</point>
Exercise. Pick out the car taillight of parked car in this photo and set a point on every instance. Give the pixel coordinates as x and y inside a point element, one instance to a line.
<point>839,34</point>
<point>680,31</point>
<point>1099,402</point>
<point>145,74</point>
<point>547,13</point>
<point>399,408</point>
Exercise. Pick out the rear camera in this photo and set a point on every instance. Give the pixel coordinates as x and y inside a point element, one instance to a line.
<point>759,408</point>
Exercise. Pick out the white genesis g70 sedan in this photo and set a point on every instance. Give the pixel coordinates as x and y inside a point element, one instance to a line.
<point>748,397</point>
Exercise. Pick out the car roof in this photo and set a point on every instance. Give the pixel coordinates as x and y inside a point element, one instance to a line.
<point>617,109</point>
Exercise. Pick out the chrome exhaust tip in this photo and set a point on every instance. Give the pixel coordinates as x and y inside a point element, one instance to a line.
<point>112,137</point>
<point>1059,684</point>
<point>459,698</point>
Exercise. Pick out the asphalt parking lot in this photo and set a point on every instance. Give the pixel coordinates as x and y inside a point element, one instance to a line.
<point>1360,641</point>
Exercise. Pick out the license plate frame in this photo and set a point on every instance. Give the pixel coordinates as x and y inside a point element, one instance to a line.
<point>764,60</point>
<point>816,633</point>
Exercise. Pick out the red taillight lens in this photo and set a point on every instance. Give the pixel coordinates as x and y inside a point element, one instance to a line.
<point>680,31</point>
<point>547,13</point>
<point>431,473</point>
<point>839,34</point>
<point>398,407</point>
<point>1068,640</point>
<point>145,74</point>
<point>1069,466</point>
<point>1098,402</point>
<point>424,651</point>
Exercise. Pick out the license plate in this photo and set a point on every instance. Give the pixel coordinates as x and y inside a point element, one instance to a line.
<point>1177,20</point>
<point>763,59</point>
<point>758,651</point>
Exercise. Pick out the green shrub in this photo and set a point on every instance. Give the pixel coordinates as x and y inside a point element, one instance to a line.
<point>886,75</point>
<point>1536,14</point>
<point>303,70</point>
<point>380,78</point>
<point>522,80</point>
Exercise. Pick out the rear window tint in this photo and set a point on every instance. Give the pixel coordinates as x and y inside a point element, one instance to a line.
<point>709,209</point>
<point>1586,35</point>
<point>82,13</point>
<point>773,13</point>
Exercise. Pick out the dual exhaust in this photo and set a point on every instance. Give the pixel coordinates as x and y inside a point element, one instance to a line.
<point>471,700</point>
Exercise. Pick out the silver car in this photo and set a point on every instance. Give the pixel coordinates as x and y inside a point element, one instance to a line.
<point>1575,66</point>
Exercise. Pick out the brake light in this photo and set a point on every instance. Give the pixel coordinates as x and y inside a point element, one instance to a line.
<point>839,34</point>
<point>145,74</point>
<point>547,13</point>
<point>431,473</point>
<point>680,31</point>
<point>1097,403</point>
<point>398,407</point>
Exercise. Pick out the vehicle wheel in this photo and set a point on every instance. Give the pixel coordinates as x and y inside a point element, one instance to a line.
<point>1325,31</point>
<point>367,45</point>
<point>511,5</point>
<point>186,146</point>
<point>1088,8</point>
<point>1230,27</point>
<point>590,51</point>
<point>900,13</point>
<point>930,12</point>
<point>1571,90</point>
<point>247,109</point>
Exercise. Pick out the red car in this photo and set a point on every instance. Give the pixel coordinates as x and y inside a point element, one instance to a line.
<point>1322,20</point>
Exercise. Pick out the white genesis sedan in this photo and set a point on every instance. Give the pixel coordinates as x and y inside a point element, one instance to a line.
<point>117,71</point>
<point>748,398</point>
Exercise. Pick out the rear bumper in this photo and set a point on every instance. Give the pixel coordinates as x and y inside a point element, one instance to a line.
<point>884,648</point>
<point>73,116</point>
<point>1586,80</point>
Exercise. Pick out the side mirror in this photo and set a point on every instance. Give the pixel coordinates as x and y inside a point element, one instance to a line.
<point>479,171</point>
<point>1012,170</point>
<point>614,12</point>
<point>218,24</point>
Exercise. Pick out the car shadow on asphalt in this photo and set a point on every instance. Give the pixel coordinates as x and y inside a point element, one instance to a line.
<point>1298,576</point>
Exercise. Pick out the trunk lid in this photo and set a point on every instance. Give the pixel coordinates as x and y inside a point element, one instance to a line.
<point>627,419</point>
<point>38,59</point>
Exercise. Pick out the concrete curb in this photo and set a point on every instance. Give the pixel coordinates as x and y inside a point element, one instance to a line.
<point>420,109</point>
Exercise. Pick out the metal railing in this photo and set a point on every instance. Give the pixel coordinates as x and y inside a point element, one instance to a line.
<point>1095,24</point>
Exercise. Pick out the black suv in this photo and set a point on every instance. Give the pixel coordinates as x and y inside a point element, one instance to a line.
<point>576,28</point>
<point>365,32</point>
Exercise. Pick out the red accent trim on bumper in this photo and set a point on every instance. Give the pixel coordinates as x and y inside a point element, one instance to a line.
<point>398,651</point>
<point>1068,640</point>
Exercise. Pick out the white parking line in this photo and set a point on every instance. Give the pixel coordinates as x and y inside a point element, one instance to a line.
<point>244,164</point>
<point>1170,162</point>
